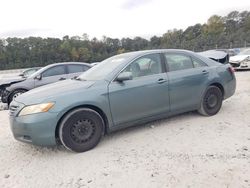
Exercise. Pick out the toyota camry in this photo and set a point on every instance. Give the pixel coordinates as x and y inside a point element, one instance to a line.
<point>121,91</point>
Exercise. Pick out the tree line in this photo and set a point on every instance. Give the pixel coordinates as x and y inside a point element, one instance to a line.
<point>230,31</point>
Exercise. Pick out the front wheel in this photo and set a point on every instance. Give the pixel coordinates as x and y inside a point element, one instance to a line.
<point>15,94</point>
<point>211,101</point>
<point>81,129</point>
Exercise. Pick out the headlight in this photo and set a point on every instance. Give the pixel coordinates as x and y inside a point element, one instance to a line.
<point>37,108</point>
<point>247,59</point>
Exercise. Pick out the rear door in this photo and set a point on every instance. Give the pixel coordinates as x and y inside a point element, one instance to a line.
<point>51,75</point>
<point>145,95</point>
<point>76,69</point>
<point>187,80</point>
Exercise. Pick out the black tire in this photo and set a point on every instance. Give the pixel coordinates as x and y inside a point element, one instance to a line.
<point>15,93</point>
<point>81,129</point>
<point>211,101</point>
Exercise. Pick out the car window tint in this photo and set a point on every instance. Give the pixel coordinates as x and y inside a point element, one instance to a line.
<point>77,68</point>
<point>85,67</point>
<point>57,70</point>
<point>198,63</point>
<point>178,62</point>
<point>29,72</point>
<point>145,66</point>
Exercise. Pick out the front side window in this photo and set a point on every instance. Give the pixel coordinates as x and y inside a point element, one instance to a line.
<point>145,66</point>
<point>57,70</point>
<point>178,62</point>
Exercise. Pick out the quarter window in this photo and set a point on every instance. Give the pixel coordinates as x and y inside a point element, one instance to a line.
<point>145,66</point>
<point>198,63</point>
<point>57,70</point>
<point>77,68</point>
<point>178,62</point>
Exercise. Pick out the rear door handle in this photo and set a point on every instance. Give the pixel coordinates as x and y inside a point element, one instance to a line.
<point>161,80</point>
<point>204,72</point>
<point>62,78</point>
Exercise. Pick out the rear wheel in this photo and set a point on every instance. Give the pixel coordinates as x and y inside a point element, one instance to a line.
<point>211,102</point>
<point>81,129</point>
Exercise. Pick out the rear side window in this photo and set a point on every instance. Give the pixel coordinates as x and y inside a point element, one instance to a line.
<point>53,71</point>
<point>178,62</point>
<point>198,63</point>
<point>77,68</point>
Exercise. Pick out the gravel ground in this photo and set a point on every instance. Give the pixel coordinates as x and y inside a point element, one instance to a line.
<point>187,150</point>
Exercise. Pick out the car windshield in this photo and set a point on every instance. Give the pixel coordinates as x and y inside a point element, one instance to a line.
<point>245,52</point>
<point>36,72</point>
<point>101,70</point>
<point>29,72</point>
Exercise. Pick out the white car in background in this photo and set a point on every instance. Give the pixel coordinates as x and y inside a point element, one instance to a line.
<point>241,61</point>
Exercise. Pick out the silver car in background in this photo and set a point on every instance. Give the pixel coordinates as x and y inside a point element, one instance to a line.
<point>241,61</point>
<point>49,74</point>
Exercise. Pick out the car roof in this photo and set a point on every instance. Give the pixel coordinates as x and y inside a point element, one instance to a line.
<point>69,63</point>
<point>142,52</point>
<point>135,54</point>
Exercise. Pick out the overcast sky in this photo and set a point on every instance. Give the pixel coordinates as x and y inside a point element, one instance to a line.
<point>112,18</point>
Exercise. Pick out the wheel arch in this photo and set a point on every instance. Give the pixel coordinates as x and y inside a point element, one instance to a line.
<point>14,91</point>
<point>220,86</point>
<point>92,107</point>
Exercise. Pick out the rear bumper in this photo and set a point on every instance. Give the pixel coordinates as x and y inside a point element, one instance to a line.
<point>229,88</point>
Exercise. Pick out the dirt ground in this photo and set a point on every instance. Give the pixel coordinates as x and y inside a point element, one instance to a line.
<point>187,150</point>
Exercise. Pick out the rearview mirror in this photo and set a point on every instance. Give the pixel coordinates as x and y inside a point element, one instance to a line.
<point>38,77</point>
<point>124,76</point>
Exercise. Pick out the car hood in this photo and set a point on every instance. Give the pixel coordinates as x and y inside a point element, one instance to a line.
<point>12,80</point>
<point>50,91</point>
<point>239,57</point>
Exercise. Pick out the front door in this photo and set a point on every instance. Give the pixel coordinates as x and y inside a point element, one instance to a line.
<point>51,75</point>
<point>144,96</point>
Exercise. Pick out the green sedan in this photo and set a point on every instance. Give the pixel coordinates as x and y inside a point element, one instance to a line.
<point>121,91</point>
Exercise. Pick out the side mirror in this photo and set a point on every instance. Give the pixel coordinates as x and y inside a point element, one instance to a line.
<point>124,76</point>
<point>38,77</point>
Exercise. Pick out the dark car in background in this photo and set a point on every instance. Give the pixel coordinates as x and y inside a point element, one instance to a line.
<point>7,81</point>
<point>49,74</point>
<point>220,55</point>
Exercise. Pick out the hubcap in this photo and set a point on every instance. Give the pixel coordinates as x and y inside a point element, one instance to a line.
<point>16,95</point>
<point>82,131</point>
<point>211,101</point>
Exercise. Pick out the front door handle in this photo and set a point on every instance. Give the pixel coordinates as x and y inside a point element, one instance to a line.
<point>62,78</point>
<point>204,72</point>
<point>161,80</point>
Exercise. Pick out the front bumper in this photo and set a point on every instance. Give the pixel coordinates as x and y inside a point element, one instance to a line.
<point>241,65</point>
<point>5,95</point>
<point>37,129</point>
<point>1,92</point>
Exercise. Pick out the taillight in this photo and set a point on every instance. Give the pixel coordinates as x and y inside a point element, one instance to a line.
<point>231,70</point>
